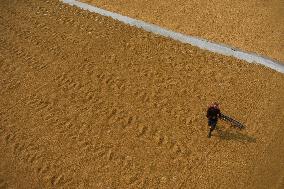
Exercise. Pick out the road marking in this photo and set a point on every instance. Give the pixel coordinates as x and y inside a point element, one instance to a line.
<point>194,41</point>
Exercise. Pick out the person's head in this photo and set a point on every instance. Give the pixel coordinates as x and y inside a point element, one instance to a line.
<point>215,104</point>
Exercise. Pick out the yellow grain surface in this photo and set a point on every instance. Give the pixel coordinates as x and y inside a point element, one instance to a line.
<point>87,102</point>
<point>254,25</point>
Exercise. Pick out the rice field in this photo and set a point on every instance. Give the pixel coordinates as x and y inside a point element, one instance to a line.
<point>89,102</point>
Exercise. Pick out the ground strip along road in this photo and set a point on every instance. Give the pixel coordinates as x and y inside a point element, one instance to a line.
<point>254,26</point>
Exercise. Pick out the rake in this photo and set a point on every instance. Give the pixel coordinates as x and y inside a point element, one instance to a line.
<point>232,121</point>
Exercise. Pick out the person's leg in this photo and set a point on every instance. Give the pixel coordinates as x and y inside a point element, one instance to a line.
<point>209,124</point>
<point>212,124</point>
<point>210,131</point>
<point>209,134</point>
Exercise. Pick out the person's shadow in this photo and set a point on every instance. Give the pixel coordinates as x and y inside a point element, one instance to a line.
<point>235,134</point>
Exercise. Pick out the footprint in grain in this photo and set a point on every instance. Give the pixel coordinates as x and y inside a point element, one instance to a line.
<point>66,82</point>
<point>100,152</point>
<point>8,68</point>
<point>85,145</point>
<point>119,119</point>
<point>9,138</point>
<point>159,138</point>
<point>43,169</point>
<point>119,85</point>
<point>34,157</point>
<point>1,131</point>
<point>109,80</point>
<point>89,97</point>
<point>100,77</point>
<point>113,117</point>
<point>3,118</point>
<point>113,113</point>
<point>109,155</point>
<point>3,184</point>
<point>131,179</point>
<point>38,103</point>
<point>57,180</point>
<point>142,129</point>
<point>176,149</point>
<point>13,84</point>
<point>18,148</point>
<point>127,121</point>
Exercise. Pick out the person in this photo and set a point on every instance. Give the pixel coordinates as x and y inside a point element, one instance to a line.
<point>213,113</point>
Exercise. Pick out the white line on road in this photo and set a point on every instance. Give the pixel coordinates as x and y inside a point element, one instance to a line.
<point>198,42</point>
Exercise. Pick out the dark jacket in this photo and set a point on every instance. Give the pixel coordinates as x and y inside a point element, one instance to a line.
<point>213,113</point>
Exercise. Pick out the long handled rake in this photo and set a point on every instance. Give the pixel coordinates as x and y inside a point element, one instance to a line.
<point>232,121</point>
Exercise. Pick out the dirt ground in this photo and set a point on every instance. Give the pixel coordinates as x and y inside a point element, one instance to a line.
<point>255,26</point>
<point>87,102</point>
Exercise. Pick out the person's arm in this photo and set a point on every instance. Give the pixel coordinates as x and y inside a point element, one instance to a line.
<point>208,115</point>
<point>219,113</point>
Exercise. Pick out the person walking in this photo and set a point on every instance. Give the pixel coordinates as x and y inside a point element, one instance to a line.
<point>213,113</point>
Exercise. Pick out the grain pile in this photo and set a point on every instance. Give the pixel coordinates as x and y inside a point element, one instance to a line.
<point>87,102</point>
<point>256,26</point>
